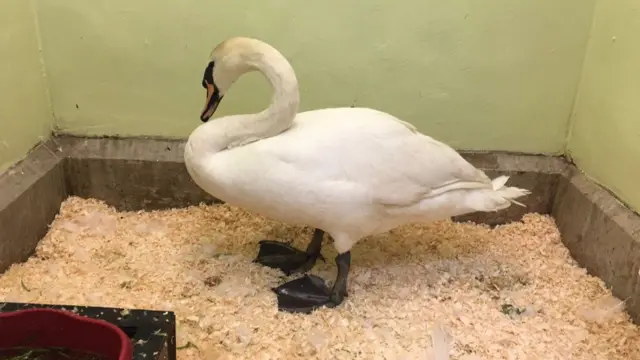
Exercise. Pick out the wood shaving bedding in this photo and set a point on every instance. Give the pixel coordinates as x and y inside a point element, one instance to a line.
<point>442,290</point>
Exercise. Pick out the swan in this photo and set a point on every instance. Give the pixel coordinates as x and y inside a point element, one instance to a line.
<point>349,172</point>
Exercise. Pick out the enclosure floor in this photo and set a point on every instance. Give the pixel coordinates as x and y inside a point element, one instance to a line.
<point>467,279</point>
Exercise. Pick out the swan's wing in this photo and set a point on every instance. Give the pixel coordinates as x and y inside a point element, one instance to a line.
<point>421,168</point>
<point>391,161</point>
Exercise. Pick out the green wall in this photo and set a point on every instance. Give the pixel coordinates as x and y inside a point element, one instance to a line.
<point>605,133</point>
<point>25,115</point>
<point>490,74</point>
<point>485,75</point>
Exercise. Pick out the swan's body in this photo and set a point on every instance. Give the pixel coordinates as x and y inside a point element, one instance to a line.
<point>351,172</point>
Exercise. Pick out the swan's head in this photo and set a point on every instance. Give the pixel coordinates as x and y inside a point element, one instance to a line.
<point>228,61</point>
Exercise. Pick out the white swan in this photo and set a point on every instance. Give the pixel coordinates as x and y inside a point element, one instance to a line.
<point>350,172</point>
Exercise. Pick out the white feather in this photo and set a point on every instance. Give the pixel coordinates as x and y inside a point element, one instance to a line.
<point>440,342</point>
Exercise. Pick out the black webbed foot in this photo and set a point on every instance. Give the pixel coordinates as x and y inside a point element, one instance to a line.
<point>308,293</point>
<point>303,295</point>
<point>280,255</point>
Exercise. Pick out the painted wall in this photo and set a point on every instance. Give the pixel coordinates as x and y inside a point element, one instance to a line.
<point>480,75</point>
<point>25,114</point>
<point>605,133</point>
<point>489,74</point>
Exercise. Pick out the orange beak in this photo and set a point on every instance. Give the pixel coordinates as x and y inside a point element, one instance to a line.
<point>210,106</point>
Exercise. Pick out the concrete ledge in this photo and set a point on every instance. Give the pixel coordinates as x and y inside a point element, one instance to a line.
<point>136,174</point>
<point>30,196</point>
<point>602,234</point>
<point>144,174</point>
<point>131,174</point>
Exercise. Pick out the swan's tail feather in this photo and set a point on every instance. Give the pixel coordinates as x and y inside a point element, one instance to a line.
<point>499,182</point>
<point>508,193</point>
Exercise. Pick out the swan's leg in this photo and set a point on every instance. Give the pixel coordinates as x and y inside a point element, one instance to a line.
<point>309,292</point>
<point>343,262</point>
<point>290,260</point>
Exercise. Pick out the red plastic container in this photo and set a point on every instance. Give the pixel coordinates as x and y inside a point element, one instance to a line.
<point>44,328</point>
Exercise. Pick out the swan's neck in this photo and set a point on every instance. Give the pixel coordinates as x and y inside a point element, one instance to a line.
<point>237,130</point>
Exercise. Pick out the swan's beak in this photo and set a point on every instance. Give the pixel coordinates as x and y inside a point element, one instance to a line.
<point>213,100</point>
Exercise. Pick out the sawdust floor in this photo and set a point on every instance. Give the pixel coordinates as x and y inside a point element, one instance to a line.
<point>512,292</point>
